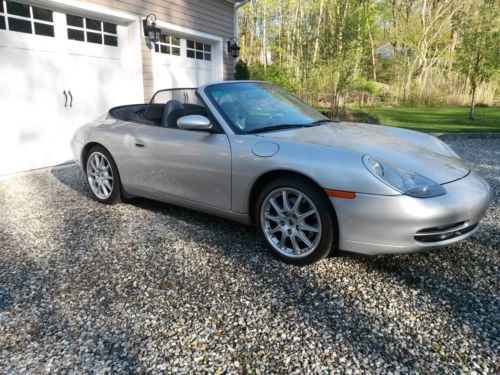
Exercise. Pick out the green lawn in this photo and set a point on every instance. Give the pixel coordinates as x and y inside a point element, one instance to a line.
<point>436,119</point>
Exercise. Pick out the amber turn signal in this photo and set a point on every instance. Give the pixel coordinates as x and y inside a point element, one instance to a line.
<point>340,194</point>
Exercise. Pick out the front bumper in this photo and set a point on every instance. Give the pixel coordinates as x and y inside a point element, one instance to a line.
<point>375,224</point>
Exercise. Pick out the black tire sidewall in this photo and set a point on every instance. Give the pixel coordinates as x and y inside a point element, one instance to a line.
<point>327,216</point>
<point>115,196</point>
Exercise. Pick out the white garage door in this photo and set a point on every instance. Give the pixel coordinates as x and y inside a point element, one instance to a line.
<point>58,71</point>
<point>182,62</point>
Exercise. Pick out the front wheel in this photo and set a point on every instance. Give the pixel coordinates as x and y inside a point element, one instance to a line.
<point>296,221</point>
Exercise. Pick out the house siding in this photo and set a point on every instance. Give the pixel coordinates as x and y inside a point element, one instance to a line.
<point>209,16</point>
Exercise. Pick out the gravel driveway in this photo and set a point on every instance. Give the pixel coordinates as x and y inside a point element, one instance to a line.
<point>148,287</point>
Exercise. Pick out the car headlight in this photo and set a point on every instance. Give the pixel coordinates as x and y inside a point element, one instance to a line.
<point>409,183</point>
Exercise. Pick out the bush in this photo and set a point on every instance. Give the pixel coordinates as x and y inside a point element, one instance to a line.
<point>241,71</point>
<point>273,73</point>
<point>362,84</point>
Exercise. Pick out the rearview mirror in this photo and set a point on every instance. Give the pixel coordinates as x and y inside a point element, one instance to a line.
<point>194,122</point>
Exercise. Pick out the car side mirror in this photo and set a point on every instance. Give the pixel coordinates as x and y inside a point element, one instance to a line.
<point>194,122</point>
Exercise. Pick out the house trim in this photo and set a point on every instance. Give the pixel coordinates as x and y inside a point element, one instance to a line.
<point>84,7</point>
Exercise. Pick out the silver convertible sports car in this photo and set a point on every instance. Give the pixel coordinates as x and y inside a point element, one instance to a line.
<point>252,152</point>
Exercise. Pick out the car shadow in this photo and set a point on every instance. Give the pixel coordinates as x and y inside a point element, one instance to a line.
<point>74,178</point>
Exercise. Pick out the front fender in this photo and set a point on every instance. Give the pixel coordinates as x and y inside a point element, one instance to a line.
<point>330,168</point>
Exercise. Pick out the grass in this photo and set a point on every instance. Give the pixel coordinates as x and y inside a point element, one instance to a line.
<point>433,119</point>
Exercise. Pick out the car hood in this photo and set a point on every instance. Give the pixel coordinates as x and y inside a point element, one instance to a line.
<point>414,151</point>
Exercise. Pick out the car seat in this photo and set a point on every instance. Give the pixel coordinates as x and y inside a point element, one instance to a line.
<point>173,111</point>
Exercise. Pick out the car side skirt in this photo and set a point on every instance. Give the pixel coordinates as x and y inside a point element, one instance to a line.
<point>189,204</point>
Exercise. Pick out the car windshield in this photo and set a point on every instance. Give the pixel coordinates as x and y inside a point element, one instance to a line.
<point>253,107</point>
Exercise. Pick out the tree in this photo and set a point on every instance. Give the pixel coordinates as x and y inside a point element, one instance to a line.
<point>479,53</point>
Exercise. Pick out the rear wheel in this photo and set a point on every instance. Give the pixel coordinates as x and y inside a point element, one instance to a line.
<point>102,176</point>
<point>296,221</point>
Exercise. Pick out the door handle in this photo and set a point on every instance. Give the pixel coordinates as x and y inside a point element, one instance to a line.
<point>71,98</point>
<point>139,143</point>
<point>65,98</point>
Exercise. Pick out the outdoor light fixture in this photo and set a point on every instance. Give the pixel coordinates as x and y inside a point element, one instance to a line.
<point>233,48</point>
<point>151,31</point>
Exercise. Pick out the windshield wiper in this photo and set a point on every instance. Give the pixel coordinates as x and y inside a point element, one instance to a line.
<point>322,121</point>
<point>277,127</point>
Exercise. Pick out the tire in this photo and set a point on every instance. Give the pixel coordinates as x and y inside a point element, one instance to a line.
<point>102,176</point>
<point>299,233</point>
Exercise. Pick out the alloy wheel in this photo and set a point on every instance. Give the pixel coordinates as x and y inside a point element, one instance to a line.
<point>291,222</point>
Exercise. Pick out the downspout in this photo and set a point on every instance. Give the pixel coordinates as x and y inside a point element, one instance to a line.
<point>237,6</point>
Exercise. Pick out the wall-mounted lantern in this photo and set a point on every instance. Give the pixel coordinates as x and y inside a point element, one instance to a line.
<point>151,31</point>
<point>233,48</point>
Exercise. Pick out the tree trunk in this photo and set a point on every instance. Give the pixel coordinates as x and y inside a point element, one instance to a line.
<point>264,34</point>
<point>280,31</point>
<point>473,97</point>
<point>372,46</point>
<point>318,32</point>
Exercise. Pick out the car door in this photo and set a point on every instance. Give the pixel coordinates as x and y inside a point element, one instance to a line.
<point>193,165</point>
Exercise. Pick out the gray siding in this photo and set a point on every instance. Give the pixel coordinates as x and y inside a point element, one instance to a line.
<point>210,16</point>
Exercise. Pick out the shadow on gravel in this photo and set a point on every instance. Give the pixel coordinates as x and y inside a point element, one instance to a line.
<point>73,178</point>
<point>488,235</point>
<point>42,281</point>
<point>6,299</point>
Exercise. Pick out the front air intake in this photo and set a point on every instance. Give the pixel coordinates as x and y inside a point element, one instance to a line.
<point>443,233</point>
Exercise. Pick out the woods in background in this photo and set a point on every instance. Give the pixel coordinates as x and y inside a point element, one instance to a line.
<point>338,52</point>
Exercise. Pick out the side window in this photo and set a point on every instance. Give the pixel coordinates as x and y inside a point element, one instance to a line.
<point>91,31</point>
<point>169,45</point>
<point>25,18</point>
<point>198,50</point>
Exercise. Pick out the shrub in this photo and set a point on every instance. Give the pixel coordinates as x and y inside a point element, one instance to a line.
<point>365,85</point>
<point>273,73</point>
<point>241,71</point>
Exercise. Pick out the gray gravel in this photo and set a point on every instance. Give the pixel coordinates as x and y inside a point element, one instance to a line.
<point>148,287</point>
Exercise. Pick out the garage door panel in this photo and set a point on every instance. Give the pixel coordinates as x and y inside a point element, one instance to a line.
<point>32,96</point>
<point>120,92</point>
<point>36,125</point>
<point>94,50</point>
<point>189,68</point>
<point>4,64</point>
<point>86,80</point>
